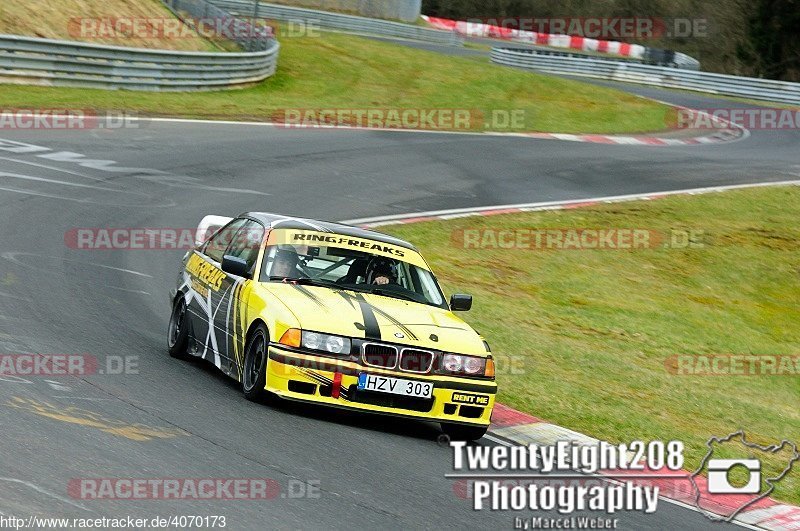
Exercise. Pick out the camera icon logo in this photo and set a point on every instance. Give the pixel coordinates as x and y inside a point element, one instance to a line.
<point>719,476</point>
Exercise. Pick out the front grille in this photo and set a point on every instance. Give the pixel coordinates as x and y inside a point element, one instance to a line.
<point>388,400</point>
<point>380,355</point>
<point>413,360</point>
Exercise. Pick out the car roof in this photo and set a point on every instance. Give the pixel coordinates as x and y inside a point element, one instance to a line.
<point>279,221</point>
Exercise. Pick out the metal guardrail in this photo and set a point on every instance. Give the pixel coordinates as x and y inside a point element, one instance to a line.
<point>51,62</point>
<point>402,10</point>
<point>726,85</point>
<point>342,23</point>
<point>223,24</point>
<point>646,60</point>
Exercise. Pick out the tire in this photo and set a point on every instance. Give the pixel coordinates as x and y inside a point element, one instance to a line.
<point>178,331</point>
<point>459,432</point>
<point>254,372</point>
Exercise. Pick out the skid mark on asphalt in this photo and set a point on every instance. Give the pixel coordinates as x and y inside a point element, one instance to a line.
<point>17,297</point>
<point>58,182</point>
<point>11,256</point>
<point>46,492</point>
<point>39,267</point>
<point>52,168</point>
<point>45,387</point>
<point>110,166</point>
<point>16,342</point>
<point>141,198</point>
<point>68,397</point>
<point>58,386</point>
<point>90,419</point>
<point>145,201</point>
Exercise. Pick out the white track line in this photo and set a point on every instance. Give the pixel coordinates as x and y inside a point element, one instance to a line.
<point>39,489</point>
<point>554,204</point>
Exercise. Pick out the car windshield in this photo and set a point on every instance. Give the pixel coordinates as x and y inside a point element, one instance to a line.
<point>350,263</point>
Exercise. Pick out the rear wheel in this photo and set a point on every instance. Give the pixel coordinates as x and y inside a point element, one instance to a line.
<point>254,373</point>
<point>459,432</point>
<point>178,331</point>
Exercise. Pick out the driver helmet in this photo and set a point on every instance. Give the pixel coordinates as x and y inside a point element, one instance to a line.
<point>380,266</point>
<point>284,262</point>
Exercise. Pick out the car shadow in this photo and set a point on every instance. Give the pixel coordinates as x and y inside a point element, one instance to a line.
<point>412,428</point>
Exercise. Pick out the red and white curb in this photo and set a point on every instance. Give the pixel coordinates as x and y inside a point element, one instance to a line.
<point>512,426</point>
<point>726,133</point>
<point>722,136</point>
<point>440,215</point>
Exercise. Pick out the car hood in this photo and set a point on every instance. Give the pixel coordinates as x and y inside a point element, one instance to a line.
<point>376,317</point>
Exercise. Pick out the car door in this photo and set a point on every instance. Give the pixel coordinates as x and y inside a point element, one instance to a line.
<point>206,291</point>
<point>231,318</point>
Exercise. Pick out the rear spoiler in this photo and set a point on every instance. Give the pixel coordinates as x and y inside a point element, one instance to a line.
<point>208,226</point>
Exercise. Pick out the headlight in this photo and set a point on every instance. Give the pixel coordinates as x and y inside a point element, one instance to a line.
<point>467,365</point>
<point>452,363</point>
<point>325,342</point>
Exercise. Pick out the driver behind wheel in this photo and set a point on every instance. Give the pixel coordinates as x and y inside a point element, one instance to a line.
<point>381,271</point>
<point>285,264</point>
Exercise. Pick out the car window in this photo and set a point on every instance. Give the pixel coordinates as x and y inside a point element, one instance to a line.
<point>215,247</point>
<point>353,269</point>
<point>247,242</point>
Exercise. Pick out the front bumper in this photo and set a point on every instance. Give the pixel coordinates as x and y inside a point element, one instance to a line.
<point>309,378</point>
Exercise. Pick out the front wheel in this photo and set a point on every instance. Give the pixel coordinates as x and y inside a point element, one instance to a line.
<point>459,432</point>
<point>178,332</point>
<point>254,373</point>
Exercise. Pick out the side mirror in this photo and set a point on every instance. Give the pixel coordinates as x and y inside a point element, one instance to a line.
<point>234,266</point>
<point>460,302</point>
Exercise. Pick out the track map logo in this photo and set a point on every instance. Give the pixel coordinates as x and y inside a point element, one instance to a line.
<point>738,476</point>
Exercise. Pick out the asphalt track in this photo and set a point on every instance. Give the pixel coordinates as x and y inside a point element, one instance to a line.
<point>373,472</point>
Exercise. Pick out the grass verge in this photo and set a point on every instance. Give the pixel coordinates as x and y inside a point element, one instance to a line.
<point>92,21</point>
<point>596,331</point>
<point>334,71</point>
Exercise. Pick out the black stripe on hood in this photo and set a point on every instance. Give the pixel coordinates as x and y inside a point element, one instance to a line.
<point>371,328</point>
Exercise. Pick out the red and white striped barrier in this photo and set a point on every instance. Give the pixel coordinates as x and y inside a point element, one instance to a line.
<point>474,29</point>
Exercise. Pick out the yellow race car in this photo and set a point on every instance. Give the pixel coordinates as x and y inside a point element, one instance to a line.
<point>332,314</point>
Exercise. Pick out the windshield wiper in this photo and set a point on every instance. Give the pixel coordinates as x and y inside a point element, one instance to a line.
<point>392,294</point>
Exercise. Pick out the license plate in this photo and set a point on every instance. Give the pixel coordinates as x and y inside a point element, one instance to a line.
<point>395,386</point>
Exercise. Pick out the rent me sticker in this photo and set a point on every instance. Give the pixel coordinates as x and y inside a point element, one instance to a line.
<point>466,398</point>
